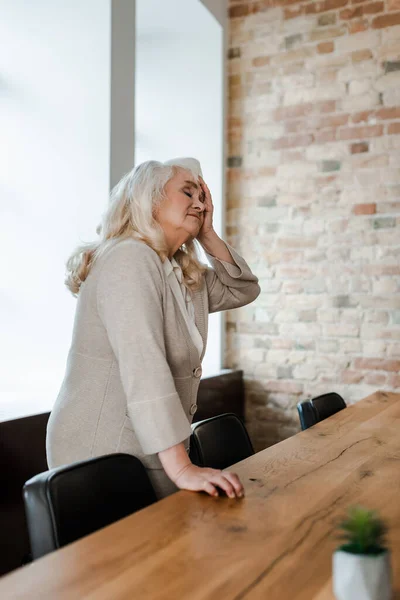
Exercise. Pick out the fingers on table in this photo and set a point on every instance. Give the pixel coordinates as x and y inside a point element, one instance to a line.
<point>210,488</point>
<point>235,482</point>
<point>223,482</point>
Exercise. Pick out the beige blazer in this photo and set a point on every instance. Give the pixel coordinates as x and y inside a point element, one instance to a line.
<point>133,370</point>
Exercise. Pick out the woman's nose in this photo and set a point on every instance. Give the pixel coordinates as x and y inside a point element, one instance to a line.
<point>198,205</point>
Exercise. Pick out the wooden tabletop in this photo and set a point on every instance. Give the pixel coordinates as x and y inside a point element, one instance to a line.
<point>276,543</point>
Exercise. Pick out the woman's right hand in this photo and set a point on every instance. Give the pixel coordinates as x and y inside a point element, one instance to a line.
<point>199,479</point>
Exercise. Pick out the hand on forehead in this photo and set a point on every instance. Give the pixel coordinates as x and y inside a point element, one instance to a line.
<point>187,178</point>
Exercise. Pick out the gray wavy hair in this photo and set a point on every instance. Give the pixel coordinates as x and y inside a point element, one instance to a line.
<point>130,214</point>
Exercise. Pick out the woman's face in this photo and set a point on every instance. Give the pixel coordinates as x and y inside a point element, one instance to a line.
<point>181,214</point>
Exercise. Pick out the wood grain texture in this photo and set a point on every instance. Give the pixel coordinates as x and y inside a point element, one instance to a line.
<point>276,543</point>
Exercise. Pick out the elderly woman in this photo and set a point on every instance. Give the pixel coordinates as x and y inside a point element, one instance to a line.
<point>140,328</point>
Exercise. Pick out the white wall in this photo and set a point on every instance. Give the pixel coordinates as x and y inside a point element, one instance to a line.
<point>54,181</point>
<point>179,101</point>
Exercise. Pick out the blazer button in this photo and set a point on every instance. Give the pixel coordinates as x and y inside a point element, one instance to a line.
<point>193,409</point>
<point>197,372</point>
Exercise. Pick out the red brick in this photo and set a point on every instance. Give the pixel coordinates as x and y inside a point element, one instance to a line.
<point>296,126</point>
<point>394,128</point>
<point>326,33</point>
<point>332,121</point>
<point>234,122</point>
<point>265,172</point>
<point>235,91</point>
<point>389,113</point>
<point>362,117</point>
<point>310,9</point>
<point>293,141</point>
<point>291,112</point>
<point>234,135</point>
<point>353,133</point>
<point>325,47</point>
<point>364,209</point>
<point>374,7</point>
<point>376,378</point>
<point>325,5</point>
<point>377,364</point>
<point>379,270</point>
<point>350,376</point>
<point>327,106</point>
<point>394,381</point>
<point>359,11</point>
<point>260,6</point>
<point>359,148</point>
<point>388,20</point>
<point>351,13</point>
<point>393,4</point>
<point>302,110</point>
<point>323,137</point>
<point>234,79</point>
<point>358,26</point>
<point>327,76</point>
<point>292,13</point>
<point>241,10</point>
<point>288,156</point>
<point>324,122</point>
<point>261,61</point>
<point>361,55</point>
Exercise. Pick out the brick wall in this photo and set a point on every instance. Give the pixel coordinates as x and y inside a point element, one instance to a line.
<point>314,201</point>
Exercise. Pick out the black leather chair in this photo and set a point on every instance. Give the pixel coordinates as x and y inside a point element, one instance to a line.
<point>67,503</point>
<point>319,408</point>
<point>219,442</point>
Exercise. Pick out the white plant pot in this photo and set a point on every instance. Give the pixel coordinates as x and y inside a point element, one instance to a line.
<point>361,577</point>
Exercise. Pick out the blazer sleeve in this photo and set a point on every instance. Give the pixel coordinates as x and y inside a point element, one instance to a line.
<point>230,286</point>
<point>130,305</point>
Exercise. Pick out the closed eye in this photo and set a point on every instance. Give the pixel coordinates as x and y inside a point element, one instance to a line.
<point>188,194</point>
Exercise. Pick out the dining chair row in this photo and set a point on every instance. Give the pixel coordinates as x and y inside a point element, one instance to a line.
<point>67,503</point>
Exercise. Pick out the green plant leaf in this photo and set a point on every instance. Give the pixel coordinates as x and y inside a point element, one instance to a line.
<point>363,532</point>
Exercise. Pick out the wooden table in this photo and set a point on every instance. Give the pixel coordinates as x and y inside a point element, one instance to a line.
<point>276,543</point>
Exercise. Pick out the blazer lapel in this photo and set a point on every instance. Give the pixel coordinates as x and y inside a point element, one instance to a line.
<point>197,303</point>
<point>201,316</point>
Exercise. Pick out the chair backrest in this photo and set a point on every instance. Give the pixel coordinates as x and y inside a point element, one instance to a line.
<point>319,408</point>
<point>219,442</point>
<point>307,415</point>
<point>67,503</point>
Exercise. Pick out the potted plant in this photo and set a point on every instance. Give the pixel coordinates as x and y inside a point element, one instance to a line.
<point>361,566</point>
